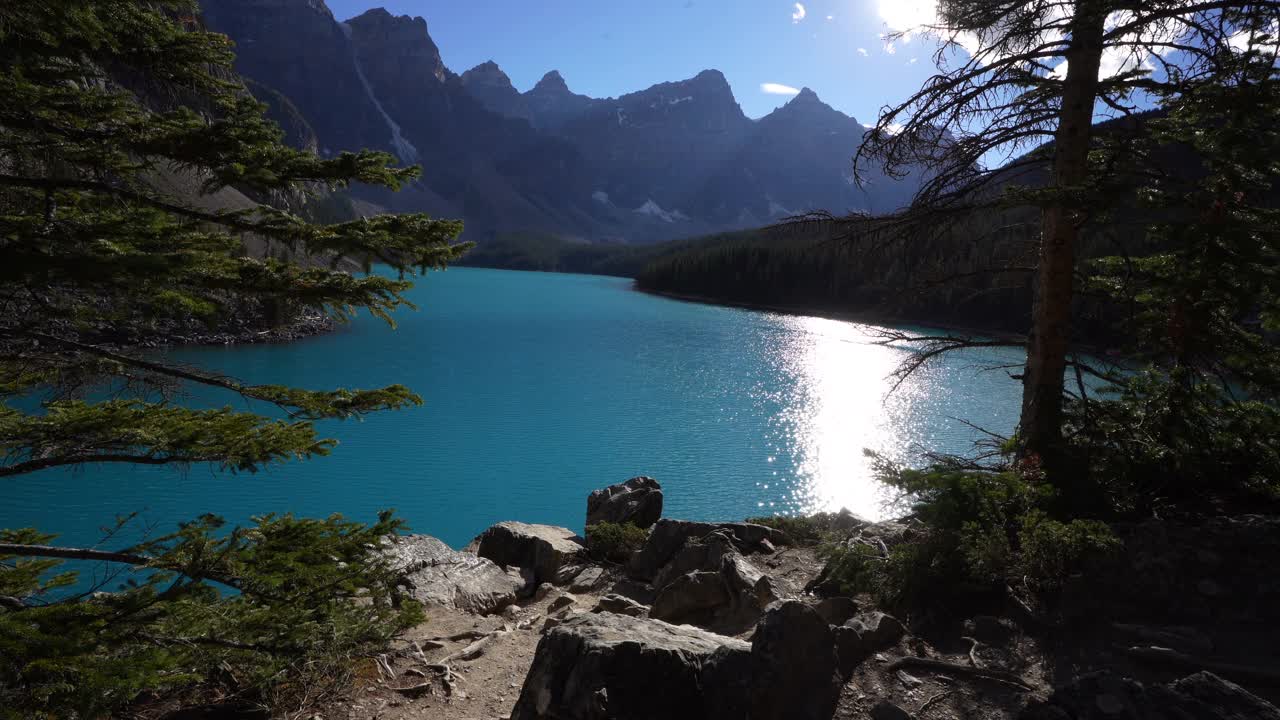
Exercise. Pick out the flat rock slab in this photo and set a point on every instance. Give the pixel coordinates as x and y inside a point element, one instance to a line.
<point>554,554</point>
<point>437,574</point>
<point>612,666</point>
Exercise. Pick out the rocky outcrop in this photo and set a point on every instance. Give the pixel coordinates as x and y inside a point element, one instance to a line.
<point>1104,696</point>
<point>554,554</point>
<point>610,666</point>
<point>709,584</point>
<point>637,501</point>
<point>436,574</point>
<point>668,536</point>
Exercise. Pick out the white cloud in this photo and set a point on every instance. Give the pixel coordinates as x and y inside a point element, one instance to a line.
<point>830,18</point>
<point>908,14</point>
<point>913,61</point>
<point>862,52</point>
<point>889,48</point>
<point>912,17</point>
<point>1246,40</point>
<point>799,14</point>
<point>778,89</point>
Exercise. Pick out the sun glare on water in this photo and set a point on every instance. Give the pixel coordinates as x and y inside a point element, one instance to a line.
<point>841,406</point>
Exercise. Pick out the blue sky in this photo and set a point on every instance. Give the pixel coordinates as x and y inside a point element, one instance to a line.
<point>610,47</point>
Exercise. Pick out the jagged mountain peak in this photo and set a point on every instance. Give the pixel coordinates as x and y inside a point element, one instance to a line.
<point>805,96</point>
<point>487,73</point>
<point>551,82</point>
<point>808,108</point>
<point>707,86</point>
<point>399,42</point>
<point>711,76</point>
<point>382,15</point>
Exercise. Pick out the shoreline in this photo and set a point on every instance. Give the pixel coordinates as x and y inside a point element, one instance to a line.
<point>862,318</point>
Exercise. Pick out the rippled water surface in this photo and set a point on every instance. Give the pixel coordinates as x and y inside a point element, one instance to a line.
<point>541,387</point>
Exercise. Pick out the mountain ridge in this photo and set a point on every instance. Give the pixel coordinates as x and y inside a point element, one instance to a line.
<point>676,159</point>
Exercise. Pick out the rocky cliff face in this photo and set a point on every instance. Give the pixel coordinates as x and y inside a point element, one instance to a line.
<point>676,159</point>
<point>297,49</point>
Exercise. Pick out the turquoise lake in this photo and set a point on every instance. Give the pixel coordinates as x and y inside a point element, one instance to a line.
<point>541,387</point>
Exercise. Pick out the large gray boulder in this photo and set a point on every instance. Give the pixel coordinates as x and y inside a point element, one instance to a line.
<point>668,536</point>
<point>1105,696</point>
<point>637,501</point>
<point>877,629</point>
<point>708,583</point>
<point>436,574</point>
<point>554,554</point>
<point>795,668</point>
<point>603,665</point>
<point>864,634</point>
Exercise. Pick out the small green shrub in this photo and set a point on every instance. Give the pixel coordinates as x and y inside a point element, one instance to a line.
<point>982,532</point>
<point>1053,551</point>
<point>851,569</point>
<point>615,542</point>
<point>801,529</point>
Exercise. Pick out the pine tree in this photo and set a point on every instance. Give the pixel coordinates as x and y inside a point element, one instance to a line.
<point>1204,309</point>
<point>1014,74</point>
<point>109,105</point>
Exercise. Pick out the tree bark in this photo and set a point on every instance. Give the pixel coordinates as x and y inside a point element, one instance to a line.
<point>1040,427</point>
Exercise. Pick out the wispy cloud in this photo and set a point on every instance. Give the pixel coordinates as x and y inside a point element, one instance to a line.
<point>863,52</point>
<point>778,89</point>
<point>799,14</point>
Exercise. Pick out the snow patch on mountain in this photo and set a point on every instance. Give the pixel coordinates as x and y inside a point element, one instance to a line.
<point>652,209</point>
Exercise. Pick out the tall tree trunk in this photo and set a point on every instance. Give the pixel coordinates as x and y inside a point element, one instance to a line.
<point>1041,424</point>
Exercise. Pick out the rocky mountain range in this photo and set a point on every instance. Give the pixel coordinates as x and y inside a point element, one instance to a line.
<point>675,160</point>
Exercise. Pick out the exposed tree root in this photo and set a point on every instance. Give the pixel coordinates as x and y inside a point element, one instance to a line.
<point>973,651</point>
<point>933,701</point>
<point>946,667</point>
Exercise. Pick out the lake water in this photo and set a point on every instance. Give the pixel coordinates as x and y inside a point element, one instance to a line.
<point>542,387</point>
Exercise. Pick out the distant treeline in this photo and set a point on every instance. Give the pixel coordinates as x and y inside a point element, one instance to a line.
<point>977,273</point>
